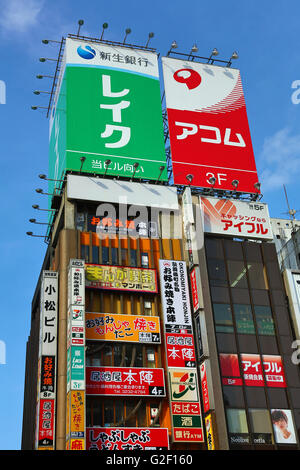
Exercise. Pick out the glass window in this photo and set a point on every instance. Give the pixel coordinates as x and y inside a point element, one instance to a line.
<point>261,426</point>
<point>145,260</point>
<point>97,415</point>
<point>214,248</point>
<point>223,318</point>
<point>243,319</point>
<point>108,413</point>
<point>105,255</point>
<point>237,274</point>
<point>264,320</point>
<point>256,397</point>
<point>95,254</point>
<point>124,256</point>
<point>226,342</point>
<point>150,357</point>
<point>107,356</point>
<point>114,256</point>
<point>85,253</point>
<point>257,276</point>
<point>219,294</point>
<point>237,426</point>
<point>233,250</point>
<point>130,415</point>
<point>119,413</point>
<point>133,258</point>
<point>233,396</point>
<point>217,272</point>
<point>142,415</point>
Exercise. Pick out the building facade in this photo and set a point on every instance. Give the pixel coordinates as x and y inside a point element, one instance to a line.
<point>160,319</point>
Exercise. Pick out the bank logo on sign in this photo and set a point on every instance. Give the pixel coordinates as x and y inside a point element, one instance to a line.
<point>86,52</point>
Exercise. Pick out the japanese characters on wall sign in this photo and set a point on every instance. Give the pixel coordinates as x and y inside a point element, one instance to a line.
<point>75,419</point>
<point>125,381</point>
<point>120,278</point>
<point>180,353</point>
<point>107,108</point>
<point>128,328</point>
<point>208,126</point>
<point>45,422</point>
<point>257,371</point>
<point>236,218</point>
<point>127,439</point>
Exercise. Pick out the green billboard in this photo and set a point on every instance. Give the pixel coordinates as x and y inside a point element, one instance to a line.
<point>106,116</point>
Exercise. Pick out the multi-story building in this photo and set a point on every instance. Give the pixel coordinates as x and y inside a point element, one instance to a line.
<point>160,318</point>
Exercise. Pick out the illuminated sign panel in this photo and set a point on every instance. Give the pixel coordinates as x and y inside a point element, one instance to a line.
<point>107,107</point>
<point>120,278</point>
<point>233,218</point>
<point>208,126</point>
<point>125,381</point>
<point>128,328</point>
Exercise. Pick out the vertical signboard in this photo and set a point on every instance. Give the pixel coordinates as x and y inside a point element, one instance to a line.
<point>107,109</point>
<point>45,422</point>
<point>180,353</point>
<point>208,126</point>
<point>75,419</point>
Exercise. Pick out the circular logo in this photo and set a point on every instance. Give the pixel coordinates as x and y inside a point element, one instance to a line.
<point>189,77</point>
<point>86,52</point>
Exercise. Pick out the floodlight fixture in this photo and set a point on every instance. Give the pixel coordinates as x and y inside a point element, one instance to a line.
<point>38,92</point>
<point>36,107</point>
<point>34,221</point>
<point>104,26</point>
<point>36,206</point>
<point>257,185</point>
<point>82,159</point>
<point>135,166</point>
<point>161,169</point>
<point>127,31</point>
<point>43,59</point>
<point>234,55</point>
<point>43,76</point>
<point>212,180</point>
<point>235,183</point>
<point>150,35</point>
<point>46,41</point>
<point>80,23</point>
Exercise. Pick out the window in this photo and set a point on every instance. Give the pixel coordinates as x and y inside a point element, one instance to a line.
<point>217,272</point>
<point>114,256</point>
<point>257,276</point>
<point>105,255</point>
<point>243,318</point>
<point>237,274</point>
<point>264,320</point>
<point>223,318</point>
<point>237,426</point>
<point>261,426</point>
<point>145,260</point>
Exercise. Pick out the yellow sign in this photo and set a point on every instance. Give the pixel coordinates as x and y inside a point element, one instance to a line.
<point>77,417</point>
<point>209,432</point>
<point>116,327</point>
<point>120,278</point>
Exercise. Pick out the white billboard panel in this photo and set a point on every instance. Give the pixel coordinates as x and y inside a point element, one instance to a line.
<point>229,217</point>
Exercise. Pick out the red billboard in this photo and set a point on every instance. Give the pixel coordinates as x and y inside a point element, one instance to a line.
<point>180,350</point>
<point>125,381</point>
<point>257,370</point>
<point>208,126</point>
<point>127,439</point>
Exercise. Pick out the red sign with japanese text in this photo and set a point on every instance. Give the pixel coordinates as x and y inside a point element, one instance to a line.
<point>254,369</point>
<point>208,126</point>
<point>125,381</point>
<point>127,439</point>
<point>46,423</point>
<point>194,290</point>
<point>180,350</point>
<point>204,388</point>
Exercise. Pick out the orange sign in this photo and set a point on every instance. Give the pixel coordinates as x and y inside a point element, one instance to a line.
<point>115,327</point>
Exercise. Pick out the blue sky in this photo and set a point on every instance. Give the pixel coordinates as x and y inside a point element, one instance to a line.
<point>266,37</point>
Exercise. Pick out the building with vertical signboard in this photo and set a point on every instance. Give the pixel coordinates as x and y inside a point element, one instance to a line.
<point>160,318</point>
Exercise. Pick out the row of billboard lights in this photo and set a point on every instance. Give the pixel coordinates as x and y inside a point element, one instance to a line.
<point>212,180</point>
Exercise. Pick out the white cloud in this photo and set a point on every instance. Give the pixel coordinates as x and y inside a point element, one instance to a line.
<point>19,15</point>
<point>280,159</point>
